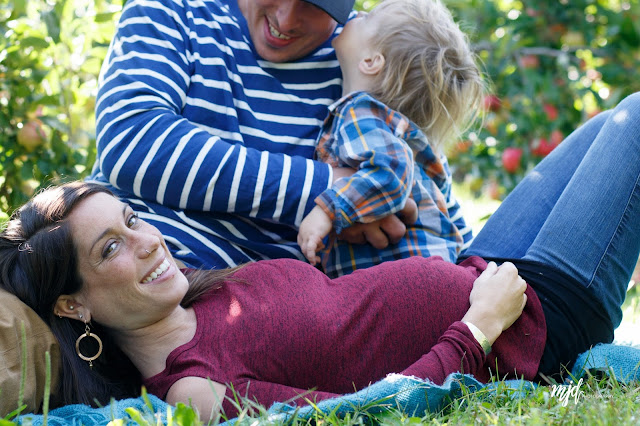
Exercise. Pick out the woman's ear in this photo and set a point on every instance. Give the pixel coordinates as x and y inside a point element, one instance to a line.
<point>67,306</point>
<point>372,64</point>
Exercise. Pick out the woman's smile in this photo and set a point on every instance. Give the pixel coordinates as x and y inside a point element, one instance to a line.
<point>158,272</point>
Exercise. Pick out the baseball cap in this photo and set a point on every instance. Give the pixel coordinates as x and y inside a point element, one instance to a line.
<point>337,9</point>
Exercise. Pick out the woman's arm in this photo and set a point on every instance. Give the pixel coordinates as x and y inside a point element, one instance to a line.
<point>204,395</point>
<point>209,399</point>
<point>497,301</point>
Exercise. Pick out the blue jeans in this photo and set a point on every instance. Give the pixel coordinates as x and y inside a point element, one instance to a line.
<point>579,210</point>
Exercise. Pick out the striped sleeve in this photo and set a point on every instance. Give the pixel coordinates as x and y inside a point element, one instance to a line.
<point>384,163</point>
<point>185,116</point>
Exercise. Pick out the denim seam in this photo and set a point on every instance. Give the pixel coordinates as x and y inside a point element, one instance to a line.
<point>613,237</point>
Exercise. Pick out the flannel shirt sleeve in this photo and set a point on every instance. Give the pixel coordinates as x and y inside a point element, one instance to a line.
<point>384,163</point>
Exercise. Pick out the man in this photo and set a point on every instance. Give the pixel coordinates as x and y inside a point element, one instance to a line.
<point>207,115</point>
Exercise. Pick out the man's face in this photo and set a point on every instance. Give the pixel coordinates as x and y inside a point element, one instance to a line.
<point>286,30</point>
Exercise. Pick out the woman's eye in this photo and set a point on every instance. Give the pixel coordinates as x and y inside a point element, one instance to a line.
<point>133,220</point>
<point>110,248</point>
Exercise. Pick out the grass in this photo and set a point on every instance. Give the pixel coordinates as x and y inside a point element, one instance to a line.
<point>597,401</point>
<point>600,401</point>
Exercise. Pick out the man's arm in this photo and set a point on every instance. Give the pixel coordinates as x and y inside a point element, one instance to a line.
<point>147,147</point>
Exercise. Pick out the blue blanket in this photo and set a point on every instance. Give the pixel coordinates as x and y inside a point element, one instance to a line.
<point>413,395</point>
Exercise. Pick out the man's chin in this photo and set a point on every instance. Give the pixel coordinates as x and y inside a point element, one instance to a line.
<point>289,53</point>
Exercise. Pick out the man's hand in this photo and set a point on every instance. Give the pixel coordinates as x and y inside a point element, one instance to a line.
<point>314,227</point>
<point>383,232</point>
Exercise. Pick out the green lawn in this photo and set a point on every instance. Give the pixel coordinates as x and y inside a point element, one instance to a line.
<point>593,401</point>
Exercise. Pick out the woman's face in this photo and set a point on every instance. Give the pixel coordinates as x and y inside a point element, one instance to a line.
<point>129,278</point>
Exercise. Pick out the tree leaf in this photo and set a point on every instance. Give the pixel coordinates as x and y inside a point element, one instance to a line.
<point>33,41</point>
<point>52,21</point>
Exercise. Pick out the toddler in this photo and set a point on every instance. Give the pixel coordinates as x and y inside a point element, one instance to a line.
<point>410,83</point>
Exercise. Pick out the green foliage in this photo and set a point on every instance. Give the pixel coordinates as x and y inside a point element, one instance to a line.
<point>50,56</point>
<point>553,65</point>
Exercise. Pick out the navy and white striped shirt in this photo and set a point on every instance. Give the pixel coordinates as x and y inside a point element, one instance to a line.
<point>207,141</point>
<point>210,143</point>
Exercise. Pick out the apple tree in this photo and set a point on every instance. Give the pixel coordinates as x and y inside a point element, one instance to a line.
<point>50,55</point>
<point>552,65</point>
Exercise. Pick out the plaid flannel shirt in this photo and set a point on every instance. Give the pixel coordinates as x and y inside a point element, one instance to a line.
<point>394,160</point>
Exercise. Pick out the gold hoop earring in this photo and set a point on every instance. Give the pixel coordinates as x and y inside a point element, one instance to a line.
<point>88,333</point>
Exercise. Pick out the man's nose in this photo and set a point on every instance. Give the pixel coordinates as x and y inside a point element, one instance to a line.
<point>291,14</point>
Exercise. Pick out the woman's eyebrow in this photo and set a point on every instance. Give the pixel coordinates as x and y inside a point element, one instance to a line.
<point>108,230</point>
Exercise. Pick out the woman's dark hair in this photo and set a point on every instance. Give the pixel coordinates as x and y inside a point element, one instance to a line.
<point>38,263</point>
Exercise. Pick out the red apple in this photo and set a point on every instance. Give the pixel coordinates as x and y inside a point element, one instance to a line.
<point>491,126</point>
<point>556,137</point>
<point>594,113</point>
<point>531,12</point>
<point>529,61</point>
<point>493,190</point>
<point>492,103</point>
<point>551,111</point>
<point>31,135</point>
<point>463,146</point>
<point>541,147</point>
<point>511,158</point>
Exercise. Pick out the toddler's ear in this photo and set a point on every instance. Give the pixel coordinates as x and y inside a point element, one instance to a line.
<point>372,64</point>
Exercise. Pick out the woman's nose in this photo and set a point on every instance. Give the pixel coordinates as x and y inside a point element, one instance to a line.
<point>147,246</point>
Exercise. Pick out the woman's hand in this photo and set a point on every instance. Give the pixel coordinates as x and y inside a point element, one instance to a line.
<point>497,299</point>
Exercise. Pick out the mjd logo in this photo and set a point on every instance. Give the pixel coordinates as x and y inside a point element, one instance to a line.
<point>564,392</point>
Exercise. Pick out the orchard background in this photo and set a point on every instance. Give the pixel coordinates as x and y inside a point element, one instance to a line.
<point>551,65</point>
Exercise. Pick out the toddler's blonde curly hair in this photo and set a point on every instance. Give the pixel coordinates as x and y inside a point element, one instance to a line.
<point>430,73</point>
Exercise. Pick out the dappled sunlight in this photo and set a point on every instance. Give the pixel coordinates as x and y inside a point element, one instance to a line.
<point>534,176</point>
<point>621,116</point>
<point>235,310</point>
